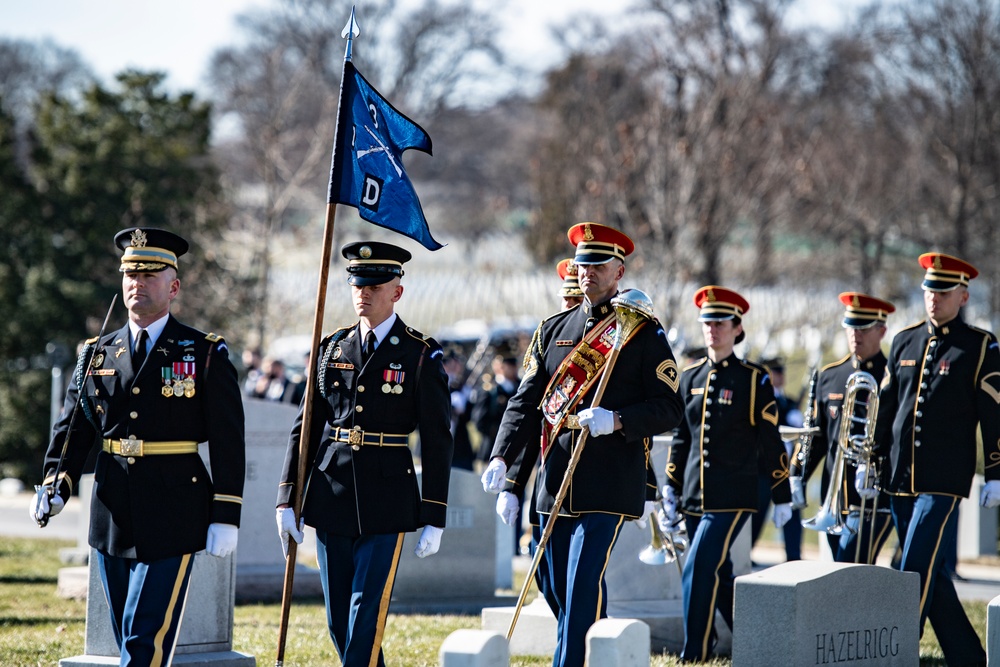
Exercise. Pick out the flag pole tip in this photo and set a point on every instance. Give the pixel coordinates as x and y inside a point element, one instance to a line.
<point>351,30</point>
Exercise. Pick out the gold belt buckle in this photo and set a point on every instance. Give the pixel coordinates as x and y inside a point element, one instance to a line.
<point>573,422</point>
<point>354,439</point>
<point>131,446</point>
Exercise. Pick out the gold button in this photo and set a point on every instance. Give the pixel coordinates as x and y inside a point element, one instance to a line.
<point>336,384</point>
<point>131,459</point>
<point>135,390</point>
<point>359,408</point>
<point>408,471</point>
<point>194,479</point>
<point>133,414</point>
<point>361,387</point>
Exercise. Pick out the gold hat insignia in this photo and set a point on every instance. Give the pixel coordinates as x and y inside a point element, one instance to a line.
<point>856,302</point>
<point>587,234</point>
<point>937,262</point>
<point>571,268</point>
<point>365,252</point>
<point>138,239</point>
<point>710,295</point>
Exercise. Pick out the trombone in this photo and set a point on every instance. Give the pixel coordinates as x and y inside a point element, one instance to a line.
<point>856,447</point>
<point>664,546</point>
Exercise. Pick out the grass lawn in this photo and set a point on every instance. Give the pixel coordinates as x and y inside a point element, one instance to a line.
<point>37,628</point>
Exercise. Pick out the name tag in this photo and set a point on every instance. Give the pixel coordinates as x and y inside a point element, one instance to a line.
<point>565,343</point>
<point>835,397</point>
<point>907,362</point>
<point>341,366</point>
<point>102,371</point>
<point>697,391</point>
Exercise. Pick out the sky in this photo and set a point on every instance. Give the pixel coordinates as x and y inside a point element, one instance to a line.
<point>179,36</point>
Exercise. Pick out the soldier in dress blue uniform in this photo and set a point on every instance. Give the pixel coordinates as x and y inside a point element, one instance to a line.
<point>552,405</point>
<point>377,381</point>
<point>865,324</point>
<point>151,392</point>
<point>730,420</point>
<point>942,380</point>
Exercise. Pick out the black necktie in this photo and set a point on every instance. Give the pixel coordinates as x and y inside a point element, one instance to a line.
<point>139,354</point>
<point>370,342</point>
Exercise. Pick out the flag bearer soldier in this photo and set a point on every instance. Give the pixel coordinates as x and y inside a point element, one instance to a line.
<point>942,380</point>
<point>152,391</point>
<point>865,324</point>
<point>553,404</point>
<point>730,420</point>
<point>377,381</point>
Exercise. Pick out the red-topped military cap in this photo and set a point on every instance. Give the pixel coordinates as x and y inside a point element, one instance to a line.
<point>719,303</point>
<point>864,310</point>
<point>148,249</point>
<point>944,272</point>
<point>597,244</point>
<point>571,282</point>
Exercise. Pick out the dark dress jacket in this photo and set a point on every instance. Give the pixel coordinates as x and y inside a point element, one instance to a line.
<point>160,506</point>
<point>730,420</point>
<point>369,488</point>
<point>612,475</point>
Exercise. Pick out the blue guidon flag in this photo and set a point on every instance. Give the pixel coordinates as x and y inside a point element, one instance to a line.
<point>367,171</point>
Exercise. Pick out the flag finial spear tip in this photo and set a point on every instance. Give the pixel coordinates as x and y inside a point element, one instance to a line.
<point>351,30</point>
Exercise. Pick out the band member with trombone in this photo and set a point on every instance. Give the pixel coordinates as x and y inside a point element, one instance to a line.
<point>377,381</point>
<point>554,413</point>
<point>148,393</point>
<point>851,540</point>
<point>730,419</point>
<point>942,381</point>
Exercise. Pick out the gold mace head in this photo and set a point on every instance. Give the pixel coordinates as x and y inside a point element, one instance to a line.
<point>632,308</point>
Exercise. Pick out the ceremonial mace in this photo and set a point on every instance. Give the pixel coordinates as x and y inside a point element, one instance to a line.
<point>632,309</point>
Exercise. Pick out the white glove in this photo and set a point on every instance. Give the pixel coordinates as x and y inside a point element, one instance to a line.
<point>507,506</point>
<point>798,492</point>
<point>864,485</point>
<point>669,519</point>
<point>42,506</point>
<point>285,518</point>
<point>782,513</point>
<point>429,542</point>
<point>648,509</point>
<point>990,497</point>
<point>494,476</point>
<point>598,420</point>
<point>221,539</point>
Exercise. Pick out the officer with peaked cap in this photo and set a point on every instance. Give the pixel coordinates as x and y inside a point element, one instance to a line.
<point>569,291</point>
<point>942,381</point>
<point>864,322</point>
<point>730,421</point>
<point>547,415</point>
<point>376,381</point>
<point>153,390</point>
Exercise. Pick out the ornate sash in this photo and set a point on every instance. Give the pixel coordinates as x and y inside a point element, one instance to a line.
<point>575,376</point>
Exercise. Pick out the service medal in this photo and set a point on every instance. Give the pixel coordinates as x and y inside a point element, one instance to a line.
<point>398,389</point>
<point>188,387</point>
<point>167,374</point>
<point>393,381</point>
<point>178,389</point>
<point>386,388</point>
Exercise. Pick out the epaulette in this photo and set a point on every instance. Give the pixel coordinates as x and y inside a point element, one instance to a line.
<point>418,336</point>
<point>921,323</point>
<point>694,364</point>
<point>835,364</point>
<point>985,332</point>
<point>336,331</point>
<point>90,341</point>
<point>755,366</point>
<point>213,337</point>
